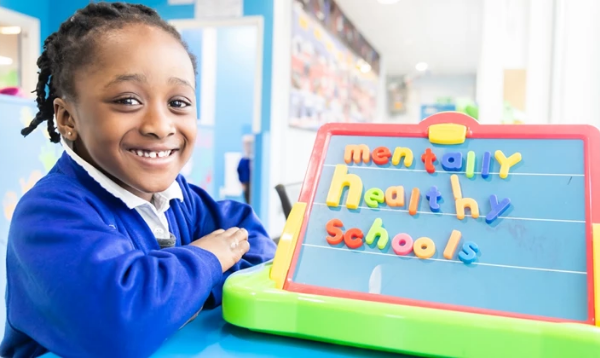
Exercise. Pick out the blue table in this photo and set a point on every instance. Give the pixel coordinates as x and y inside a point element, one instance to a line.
<point>210,336</point>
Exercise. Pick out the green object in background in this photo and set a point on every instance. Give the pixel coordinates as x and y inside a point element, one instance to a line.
<point>468,107</point>
<point>9,79</point>
<point>251,300</point>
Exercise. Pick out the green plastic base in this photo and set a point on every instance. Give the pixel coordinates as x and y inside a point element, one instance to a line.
<point>250,300</point>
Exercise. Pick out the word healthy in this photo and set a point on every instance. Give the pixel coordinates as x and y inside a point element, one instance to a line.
<point>394,196</point>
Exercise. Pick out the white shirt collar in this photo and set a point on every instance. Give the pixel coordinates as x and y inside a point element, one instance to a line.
<point>160,200</point>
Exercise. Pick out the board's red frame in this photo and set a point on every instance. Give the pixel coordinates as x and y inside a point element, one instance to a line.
<point>589,135</point>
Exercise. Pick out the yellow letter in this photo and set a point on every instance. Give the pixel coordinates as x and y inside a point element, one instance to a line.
<point>341,179</point>
<point>402,152</point>
<point>462,203</point>
<point>506,163</point>
<point>455,187</point>
<point>356,152</point>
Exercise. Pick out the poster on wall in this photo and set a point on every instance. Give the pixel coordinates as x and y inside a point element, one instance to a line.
<point>329,81</point>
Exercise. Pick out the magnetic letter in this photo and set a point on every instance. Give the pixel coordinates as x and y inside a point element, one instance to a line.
<point>356,153</point>
<point>433,195</point>
<point>506,163</point>
<point>342,179</point>
<point>333,229</point>
<point>429,158</point>
<point>374,197</point>
<point>452,162</point>
<point>497,208</point>
<point>381,155</point>
<point>377,230</point>
<point>469,252</point>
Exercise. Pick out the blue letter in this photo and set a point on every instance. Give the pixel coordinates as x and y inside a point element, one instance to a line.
<point>452,161</point>
<point>433,195</point>
<point>485,165</point>
<point>497,208</point>
<point>469,252</point>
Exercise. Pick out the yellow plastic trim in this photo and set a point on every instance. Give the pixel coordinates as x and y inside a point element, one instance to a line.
<point>596,261</point>
<point>287,243</point>
<point>447,133</point>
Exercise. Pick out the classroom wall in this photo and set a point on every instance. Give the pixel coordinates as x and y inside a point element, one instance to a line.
<point>59,14</point>
<point>291,148</point>
<point>428,89</point>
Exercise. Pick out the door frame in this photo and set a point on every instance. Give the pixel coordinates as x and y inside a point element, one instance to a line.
<point>29,47</point>
<point>256,21</point>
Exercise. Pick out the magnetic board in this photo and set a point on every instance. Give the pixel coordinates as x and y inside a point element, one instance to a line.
<point>538,247</point>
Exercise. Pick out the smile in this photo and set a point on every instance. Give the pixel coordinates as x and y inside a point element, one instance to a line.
<point>152,154</point>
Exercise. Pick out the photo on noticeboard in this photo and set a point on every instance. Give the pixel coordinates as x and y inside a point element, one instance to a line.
<point>329,81</point>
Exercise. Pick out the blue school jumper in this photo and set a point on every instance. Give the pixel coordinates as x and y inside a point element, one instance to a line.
<point>86,275</point>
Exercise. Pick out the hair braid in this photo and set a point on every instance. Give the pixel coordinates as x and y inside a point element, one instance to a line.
<point>71,47</point>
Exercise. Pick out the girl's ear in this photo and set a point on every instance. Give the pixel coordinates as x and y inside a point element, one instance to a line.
<point>64,120</point>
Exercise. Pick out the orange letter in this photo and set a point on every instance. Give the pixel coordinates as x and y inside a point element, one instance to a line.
<point>452,244</point>
<point>414,202</point>
<point>381,155</point>
<point>353,238</point>
<point>356,152</point>
<point>333,229</point>
<point>394,196</point>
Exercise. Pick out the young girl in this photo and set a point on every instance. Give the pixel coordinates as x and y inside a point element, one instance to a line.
<point>112,252</point>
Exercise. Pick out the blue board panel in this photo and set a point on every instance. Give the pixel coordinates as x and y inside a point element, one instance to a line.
<point>532,260</point>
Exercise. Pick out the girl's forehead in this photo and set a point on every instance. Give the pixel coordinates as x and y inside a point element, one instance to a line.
<point>136,45</point>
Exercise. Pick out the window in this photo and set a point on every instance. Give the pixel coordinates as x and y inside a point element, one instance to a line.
<point>10,59</point>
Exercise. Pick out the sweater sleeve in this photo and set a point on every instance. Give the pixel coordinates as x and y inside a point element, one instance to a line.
<point>213,215</point>
<point>79,288</point>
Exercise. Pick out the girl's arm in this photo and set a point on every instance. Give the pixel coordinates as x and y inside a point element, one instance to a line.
<point>213,215</point>
<point>79,288</point>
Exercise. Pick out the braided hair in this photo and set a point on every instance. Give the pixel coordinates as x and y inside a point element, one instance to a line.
<point>71,47</point>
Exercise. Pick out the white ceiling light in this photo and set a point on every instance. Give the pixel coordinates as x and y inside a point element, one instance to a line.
<point>422,66</point>
<point>5,61</point>
<point>10,30</point>
<point>388,2</point>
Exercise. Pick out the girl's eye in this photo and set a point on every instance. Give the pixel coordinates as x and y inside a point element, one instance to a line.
<point>129,101</point>
<point>178,104</point>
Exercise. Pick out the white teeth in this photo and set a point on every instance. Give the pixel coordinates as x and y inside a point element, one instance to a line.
<point>146,154</point>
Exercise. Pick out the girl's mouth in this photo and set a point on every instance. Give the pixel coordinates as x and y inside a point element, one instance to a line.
<point>153,154</point>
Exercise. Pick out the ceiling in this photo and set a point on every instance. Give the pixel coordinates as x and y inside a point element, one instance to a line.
<point>446,34</point>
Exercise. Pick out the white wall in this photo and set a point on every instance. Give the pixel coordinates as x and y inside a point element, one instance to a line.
<point>558,43</point>
<point>575,96</point>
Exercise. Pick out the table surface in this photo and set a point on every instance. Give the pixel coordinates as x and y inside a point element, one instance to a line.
<point>210,336</point>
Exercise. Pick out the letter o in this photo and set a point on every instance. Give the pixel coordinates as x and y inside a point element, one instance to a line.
<point>424,248</point>
<point>402,244</point>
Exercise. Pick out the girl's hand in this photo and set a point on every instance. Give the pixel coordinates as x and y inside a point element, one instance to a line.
<point>227,245</point>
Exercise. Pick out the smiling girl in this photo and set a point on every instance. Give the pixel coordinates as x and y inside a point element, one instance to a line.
<point>113,251</point>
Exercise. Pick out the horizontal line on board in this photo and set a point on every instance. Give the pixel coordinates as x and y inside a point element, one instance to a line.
<point>452,172</point>
<point>450,261</point>
<point>466,215</point>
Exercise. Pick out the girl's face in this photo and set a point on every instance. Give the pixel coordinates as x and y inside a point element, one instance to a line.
<point>134,115</point>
